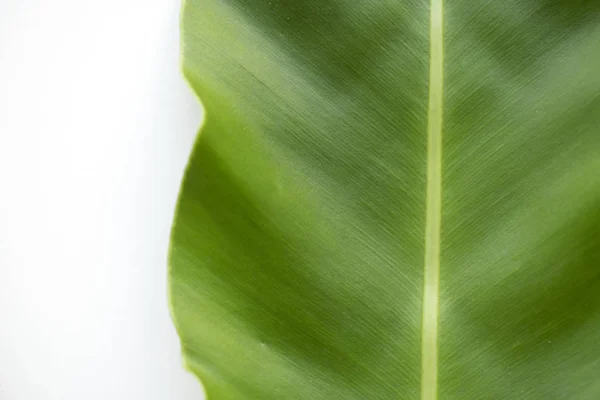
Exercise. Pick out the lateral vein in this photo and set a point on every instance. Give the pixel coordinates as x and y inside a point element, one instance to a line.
<point>431,290</point>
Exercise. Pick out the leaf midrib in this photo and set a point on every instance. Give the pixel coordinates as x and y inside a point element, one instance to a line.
<point>429,332</point>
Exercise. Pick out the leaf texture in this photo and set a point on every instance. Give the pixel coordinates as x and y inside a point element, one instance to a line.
<point>298,266</point>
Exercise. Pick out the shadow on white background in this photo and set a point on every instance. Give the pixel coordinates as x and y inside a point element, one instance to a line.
<point>96,124</point>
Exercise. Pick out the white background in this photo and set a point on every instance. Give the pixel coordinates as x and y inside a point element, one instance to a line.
<point>96,124</point>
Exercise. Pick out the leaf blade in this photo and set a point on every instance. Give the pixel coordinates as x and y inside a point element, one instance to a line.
<point>298,246</point>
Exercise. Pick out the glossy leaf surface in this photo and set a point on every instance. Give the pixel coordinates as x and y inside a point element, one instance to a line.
<point>297,267</point>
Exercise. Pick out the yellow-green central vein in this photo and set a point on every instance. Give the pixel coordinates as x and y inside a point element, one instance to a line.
<point>431,290</point>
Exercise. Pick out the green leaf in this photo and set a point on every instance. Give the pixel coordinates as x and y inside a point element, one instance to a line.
<point>391,199</point>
